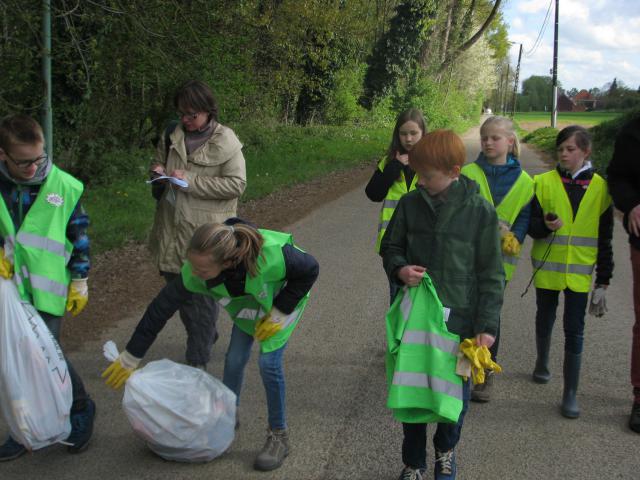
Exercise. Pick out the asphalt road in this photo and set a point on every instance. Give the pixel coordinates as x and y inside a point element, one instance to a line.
<point>339,425</point>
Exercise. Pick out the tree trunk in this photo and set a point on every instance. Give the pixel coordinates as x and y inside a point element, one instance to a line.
<point>469,43</point>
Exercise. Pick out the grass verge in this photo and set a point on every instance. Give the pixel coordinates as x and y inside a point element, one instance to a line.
<point>603,134</point>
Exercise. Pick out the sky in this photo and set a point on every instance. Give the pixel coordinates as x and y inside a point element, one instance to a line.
<point>598,40</point>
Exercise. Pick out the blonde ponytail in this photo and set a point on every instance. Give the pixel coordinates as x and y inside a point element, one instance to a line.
<point>239,243</point>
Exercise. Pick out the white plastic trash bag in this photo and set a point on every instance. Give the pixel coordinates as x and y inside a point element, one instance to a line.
<point>183,413</point>
<point>35,387</point>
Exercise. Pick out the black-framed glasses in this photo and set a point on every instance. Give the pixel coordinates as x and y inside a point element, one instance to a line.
<point>192,116</point>
<point>24,164</point>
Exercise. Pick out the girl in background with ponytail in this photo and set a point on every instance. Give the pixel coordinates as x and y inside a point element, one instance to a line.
<point>263,281</point>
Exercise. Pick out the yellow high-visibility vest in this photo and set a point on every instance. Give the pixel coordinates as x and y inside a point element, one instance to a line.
<point>508,209</point>
<point>572,252</point>
<point>395,193</point>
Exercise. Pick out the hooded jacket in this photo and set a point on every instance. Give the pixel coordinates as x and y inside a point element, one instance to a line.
<point>500,179</point>
<point>455,236</point>
<point>216,175</point>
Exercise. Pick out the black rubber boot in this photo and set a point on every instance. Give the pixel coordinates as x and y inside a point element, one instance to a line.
<point>541,372</point>
<point>571,372</point>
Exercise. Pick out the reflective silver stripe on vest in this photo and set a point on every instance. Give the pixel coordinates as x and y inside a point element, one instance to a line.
<point>247,314</point>
<point>563,267</point>
<point>43,243</point>
<point>38,282</point>
<point>575,241</point>
<point>429,338</point>
<point>413,379</point>
<point>224,301</point>
<point>390,203</point>
<point>383,224</point>
<point>511,260</point>
<point>406,305</point>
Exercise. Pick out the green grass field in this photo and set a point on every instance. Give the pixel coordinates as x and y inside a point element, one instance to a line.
<point>585,119</point>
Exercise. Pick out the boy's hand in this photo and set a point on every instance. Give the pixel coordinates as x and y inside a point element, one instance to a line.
<point>411,275</point>
<point>485,340</point>
<point>78,296</point>
<point>6,267</point>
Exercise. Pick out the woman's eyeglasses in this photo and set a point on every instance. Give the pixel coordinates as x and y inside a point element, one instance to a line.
<point>191,116</point>
<point>24,164</point>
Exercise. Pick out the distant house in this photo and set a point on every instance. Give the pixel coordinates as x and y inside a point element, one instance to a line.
<point>565,104</point>
<point>584,101</point>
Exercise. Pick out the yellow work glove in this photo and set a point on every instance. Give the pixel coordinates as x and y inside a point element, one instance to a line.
<point>120,370</point>
<point>6,267</point>
<point>78,296</point>
<point>480,359</point>
<point>510,244</point>
<point>270,324</point>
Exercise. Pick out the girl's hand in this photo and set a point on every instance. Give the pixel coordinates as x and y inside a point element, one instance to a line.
<point>553,225</point>
<point>485,340</point>
<point>411,275</point>
<point>403,159</point>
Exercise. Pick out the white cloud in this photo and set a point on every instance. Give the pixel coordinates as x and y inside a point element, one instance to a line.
<point>533,6</point>
<point>598,40</point>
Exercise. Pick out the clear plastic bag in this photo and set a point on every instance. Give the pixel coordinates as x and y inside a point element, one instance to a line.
<point>35,387</point>
<point>183,413</point>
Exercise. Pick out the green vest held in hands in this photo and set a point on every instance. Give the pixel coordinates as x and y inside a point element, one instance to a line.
<point>40,249</point>
<point>395,193</point>
<point>421,359</point>
<point>519,195</point>
<point>246,310</point>
<point>567,259</point>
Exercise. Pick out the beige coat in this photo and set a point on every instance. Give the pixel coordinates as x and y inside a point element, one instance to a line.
<point>216,175</point>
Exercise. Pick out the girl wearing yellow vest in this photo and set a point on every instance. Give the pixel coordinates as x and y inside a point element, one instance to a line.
<point>572,226</point>
<point>393,176</point>
<point>263,281</point>
<point>509,189</point>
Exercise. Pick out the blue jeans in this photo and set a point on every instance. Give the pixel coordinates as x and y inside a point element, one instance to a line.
<point>414,444</point>
<point>271,371</point>
<point>575,308</point>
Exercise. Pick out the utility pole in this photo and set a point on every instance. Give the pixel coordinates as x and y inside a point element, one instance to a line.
<point>554,110</point>
<point>515,84</point>
<point>505,93</point>
<point>47,117</point>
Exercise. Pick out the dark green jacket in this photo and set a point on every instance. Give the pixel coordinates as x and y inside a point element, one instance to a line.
<point>458,242</point>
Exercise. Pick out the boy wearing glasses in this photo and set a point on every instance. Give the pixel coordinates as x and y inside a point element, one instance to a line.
<point>44,243</point>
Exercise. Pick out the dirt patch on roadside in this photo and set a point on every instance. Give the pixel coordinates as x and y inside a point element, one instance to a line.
<point>124,281</point>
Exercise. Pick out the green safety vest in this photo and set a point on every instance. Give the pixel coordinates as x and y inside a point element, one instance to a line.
<point>572,252</point>
<point>246,310</point>
<point>519,195</point>
<point>421,359</point>
<point>40,249</point>
<point>395,193</point>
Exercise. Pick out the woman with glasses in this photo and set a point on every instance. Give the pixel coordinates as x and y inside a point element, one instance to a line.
<point>208,157</point>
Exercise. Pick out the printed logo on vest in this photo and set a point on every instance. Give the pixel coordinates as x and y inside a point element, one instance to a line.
<point>55,199</point>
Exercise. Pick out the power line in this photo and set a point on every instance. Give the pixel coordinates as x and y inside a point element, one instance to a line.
<point>543,28</point>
